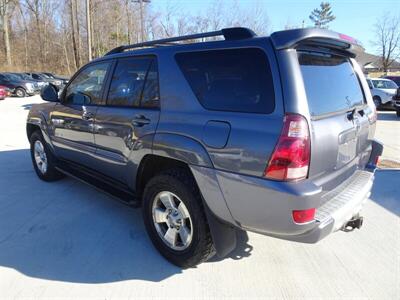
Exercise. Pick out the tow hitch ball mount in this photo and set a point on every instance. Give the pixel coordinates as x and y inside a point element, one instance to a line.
<point>354,223</point>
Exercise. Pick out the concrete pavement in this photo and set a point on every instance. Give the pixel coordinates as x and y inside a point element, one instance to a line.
<point>67,240</point>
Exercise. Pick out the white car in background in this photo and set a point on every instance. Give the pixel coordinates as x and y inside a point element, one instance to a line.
<point>382,91</point>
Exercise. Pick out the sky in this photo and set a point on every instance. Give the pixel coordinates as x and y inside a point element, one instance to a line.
<point>355,18</point>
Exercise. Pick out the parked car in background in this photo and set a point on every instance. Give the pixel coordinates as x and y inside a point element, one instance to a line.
<point>4,92</point>
<point>394,78</point>
<point>396,102</point>
<point>57,82</point>
<point>20,87</point>
<point>40,83</point>
<point>382,91</point>
<point>268,134</point>
<point>50,75</point>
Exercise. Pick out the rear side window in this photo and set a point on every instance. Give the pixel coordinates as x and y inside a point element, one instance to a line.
<point>128,81</point>
<point>238,80</point>
<point>330,82</point>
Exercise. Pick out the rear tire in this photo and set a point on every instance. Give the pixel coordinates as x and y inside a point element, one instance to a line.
<point>20,92</point>
<point>189,242</point>
<point>42,158</point>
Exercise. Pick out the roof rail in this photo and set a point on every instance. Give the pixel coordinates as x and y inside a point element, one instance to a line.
<point>234,33</point>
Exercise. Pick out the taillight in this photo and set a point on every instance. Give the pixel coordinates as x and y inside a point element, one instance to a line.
<point>291,156</point>
<point>304,216</point>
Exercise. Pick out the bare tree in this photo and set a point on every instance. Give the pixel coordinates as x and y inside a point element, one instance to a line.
<point>387,39</point>
<point>4,20</point>
<point>55,35</point>
<point>74,40</point>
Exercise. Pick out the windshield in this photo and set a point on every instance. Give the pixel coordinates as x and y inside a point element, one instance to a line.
<point>384,84</point>
<point>330,82</point>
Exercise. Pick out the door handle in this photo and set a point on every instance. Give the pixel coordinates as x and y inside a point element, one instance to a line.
<point>140,120</point>
<point>87,115</point>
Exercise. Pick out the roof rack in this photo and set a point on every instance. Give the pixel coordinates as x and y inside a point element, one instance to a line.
<point>234,33</point>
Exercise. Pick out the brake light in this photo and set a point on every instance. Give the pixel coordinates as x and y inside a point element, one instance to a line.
<point>304,216</point>
<point>347,38</point>
<point>291,157</point>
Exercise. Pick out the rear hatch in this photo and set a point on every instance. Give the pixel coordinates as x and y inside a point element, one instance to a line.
<point>340,126</point>
<point>331,91</point>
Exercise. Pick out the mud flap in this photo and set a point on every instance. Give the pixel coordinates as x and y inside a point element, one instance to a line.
<point>377,149</point>
<point>223,235</point>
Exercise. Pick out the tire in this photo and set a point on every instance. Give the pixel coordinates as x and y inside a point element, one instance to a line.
<point>377,102</point>
<point>41,153</point>
<point>181,188</point>
<point>20,92</point>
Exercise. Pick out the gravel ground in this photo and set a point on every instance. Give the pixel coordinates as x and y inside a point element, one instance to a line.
<point>67,240</point>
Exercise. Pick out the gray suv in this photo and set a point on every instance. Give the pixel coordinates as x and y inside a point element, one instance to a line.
<point>267,134</point>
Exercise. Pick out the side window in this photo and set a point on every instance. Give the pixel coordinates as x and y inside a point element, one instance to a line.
<point>151,96</point>
<point>86,88</point>
<point>237,80</point>
<point>128,81</point>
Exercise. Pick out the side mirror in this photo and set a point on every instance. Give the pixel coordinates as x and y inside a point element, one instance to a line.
<point>50,93</point>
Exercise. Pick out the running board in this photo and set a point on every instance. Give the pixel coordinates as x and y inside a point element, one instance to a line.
<point>116,191</point>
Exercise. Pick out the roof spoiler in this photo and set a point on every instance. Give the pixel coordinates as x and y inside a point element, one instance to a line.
<point>314,36</point>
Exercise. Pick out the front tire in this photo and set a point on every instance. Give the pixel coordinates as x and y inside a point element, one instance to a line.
<point>42,158</point>
<point>175,220</point>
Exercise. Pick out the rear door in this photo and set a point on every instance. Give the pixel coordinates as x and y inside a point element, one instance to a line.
<point>125,126</point>
<point>73,118</point>
<point>340,126</point>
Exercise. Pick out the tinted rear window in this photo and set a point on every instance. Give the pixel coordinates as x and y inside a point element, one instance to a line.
<point>330,82</point>
<point>236,80</point>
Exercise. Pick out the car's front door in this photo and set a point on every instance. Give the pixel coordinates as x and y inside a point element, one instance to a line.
<point>125,126</point>
<point>73,118</point>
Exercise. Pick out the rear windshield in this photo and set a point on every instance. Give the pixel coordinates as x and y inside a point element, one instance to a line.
<point>236,80</point>
<point>330,82</point>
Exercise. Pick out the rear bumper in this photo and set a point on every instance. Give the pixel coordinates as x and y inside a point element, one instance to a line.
<point>258,206</point>
<point>266,207</point>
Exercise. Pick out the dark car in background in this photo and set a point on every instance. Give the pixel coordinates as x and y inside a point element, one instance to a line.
<point>20,87</point>
<point>52,76</point>
<point>40,83</point>
<point>38,76</point>
<point>394,78</point>
<point>396,98</point>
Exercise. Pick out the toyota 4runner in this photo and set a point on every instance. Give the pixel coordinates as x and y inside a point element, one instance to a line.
<point>267,134</point>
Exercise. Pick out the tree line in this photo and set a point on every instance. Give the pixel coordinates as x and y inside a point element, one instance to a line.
<point>52,35</point>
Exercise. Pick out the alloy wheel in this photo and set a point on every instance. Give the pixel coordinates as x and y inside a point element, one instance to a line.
<point>40,156</point>
<point>172,221</point>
